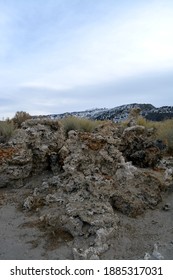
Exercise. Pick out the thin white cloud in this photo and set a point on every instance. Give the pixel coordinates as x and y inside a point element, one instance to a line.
<point>107,51</point>
<point>59,46</point>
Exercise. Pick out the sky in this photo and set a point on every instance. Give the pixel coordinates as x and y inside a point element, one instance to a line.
<point>61,56</point>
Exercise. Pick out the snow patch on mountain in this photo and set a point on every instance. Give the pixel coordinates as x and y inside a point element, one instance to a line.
<point>120,113</point>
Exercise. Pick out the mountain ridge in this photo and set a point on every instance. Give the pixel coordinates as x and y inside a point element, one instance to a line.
<point>120,113</point>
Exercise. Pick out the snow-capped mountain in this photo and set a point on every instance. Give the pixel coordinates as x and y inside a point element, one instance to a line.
<point>120,113</point>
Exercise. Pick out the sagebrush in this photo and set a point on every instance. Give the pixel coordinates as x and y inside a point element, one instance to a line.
<point>20,117</point>
<point>6,130</point>
<point>163,131</point>
<point>79,124</point>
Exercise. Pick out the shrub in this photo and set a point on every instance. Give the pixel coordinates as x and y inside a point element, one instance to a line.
<point>20,117</point>
<point>79,124</point>
<point>165,133</point>
<point>143,121</point>
<point>6,130</point>
<point>148,124</point>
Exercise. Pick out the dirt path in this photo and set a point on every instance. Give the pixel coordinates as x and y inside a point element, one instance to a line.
<point>134,237</point>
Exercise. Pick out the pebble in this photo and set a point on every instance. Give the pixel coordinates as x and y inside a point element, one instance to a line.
<point>166,207</point>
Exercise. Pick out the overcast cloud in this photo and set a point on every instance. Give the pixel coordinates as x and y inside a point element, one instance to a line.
<point>68,55</point>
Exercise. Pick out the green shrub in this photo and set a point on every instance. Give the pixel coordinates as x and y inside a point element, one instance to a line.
<point>20,117</point>
<point>6,130</point>
<point>79,124</point>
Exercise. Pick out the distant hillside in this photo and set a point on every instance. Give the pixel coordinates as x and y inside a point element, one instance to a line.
<point>120,113</point>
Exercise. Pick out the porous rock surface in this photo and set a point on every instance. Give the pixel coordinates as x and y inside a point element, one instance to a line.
<point>138,146</point>
<point>29,151</point>
<point>90,178</point>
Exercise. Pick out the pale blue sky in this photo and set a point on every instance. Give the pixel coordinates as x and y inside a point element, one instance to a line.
<point>71,55</point>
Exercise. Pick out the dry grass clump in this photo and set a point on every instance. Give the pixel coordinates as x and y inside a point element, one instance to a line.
<point>6,130</point>
<point>79,124</point>
<point>164,131</point>
<point>144,122</point>
<point>20,117</point>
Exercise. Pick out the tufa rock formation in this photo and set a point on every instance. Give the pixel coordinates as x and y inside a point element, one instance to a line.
<point>139,147</point>
<point>91,176</point>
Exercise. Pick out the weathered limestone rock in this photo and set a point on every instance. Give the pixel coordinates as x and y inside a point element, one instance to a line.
<point>30,151</point>
<point>15,165</point>
<point>155,255</point>
<point>138,146</point>
<point>91,177</point>
<point>45,138</point>
<point>168,176</point>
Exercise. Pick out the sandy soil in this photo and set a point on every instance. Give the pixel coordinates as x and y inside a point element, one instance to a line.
<point>20,237</point>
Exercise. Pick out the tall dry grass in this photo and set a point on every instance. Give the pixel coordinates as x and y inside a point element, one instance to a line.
<point>79,124</point>
<point>6,130</point>
<point>164,130</point>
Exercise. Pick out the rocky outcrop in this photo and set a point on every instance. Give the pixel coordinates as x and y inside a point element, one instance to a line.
<point>30,151</point>
<point>90,178</point>
<point>15,165</point>
<point>44,138</point>
<point>138,146</point>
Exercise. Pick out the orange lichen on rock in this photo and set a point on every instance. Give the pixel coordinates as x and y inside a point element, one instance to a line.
<point>94,144</point>
<point>6,153</point>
